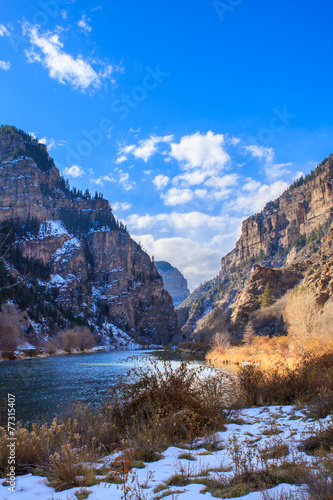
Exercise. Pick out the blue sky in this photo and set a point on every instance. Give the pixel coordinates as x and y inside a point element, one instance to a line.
<point>188,116</point>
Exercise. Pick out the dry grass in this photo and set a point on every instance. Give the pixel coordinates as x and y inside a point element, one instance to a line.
<point>263,350</point>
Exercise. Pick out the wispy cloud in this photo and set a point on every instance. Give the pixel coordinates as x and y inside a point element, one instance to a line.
<point>4,31</point>
<point>261,152</point>
<point>254,195</point>
<point>51,143</point>
<point>125,182</point>
<point>84,24</point>
<point>5,65</point>
<point>119,176</point>
<point>122,206</point>
<point>267,155</point>
<point>121,159</point>
<point>47,50</point>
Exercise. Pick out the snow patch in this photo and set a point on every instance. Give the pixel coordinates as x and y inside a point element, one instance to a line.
<point>68,247</point>
<point>52,228</point>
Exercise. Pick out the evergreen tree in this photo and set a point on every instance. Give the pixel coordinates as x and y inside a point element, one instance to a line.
<point>266,298</point>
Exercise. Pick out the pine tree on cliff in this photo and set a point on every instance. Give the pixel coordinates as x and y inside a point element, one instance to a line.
<point>266,298</point>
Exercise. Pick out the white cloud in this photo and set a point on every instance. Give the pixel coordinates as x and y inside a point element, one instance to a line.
<point>98,7</point>
<point>63,14</point>
<point>4,65</point>
<point>98,181</point>
<point>161,181</point>
<point>148,147</point>
<point>108,178</point>
<point>4,31</point>
<point>83,24</point>
<point>121,159</point>
<point>203,237</point>
<point>74,171</point>
<point>122,179</point>
<point>191,178</point>
<point>121,206</point>
<point>177,196</point>
<point>223,182</point>
<point>201,150</point>
<point>47,49</point>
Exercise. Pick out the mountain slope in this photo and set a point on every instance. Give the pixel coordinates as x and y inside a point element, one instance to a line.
<point>75,265</point>
<point>287,231</point>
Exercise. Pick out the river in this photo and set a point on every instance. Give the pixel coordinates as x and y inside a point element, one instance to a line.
<point>44,386</point>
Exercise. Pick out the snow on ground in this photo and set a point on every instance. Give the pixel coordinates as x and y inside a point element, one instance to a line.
<point>257,425</point>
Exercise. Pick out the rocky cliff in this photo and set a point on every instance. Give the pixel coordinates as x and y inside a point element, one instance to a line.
<point>174,282</point>
<point>74,264</point>
<point>285,234</point>
<point>302,209</point>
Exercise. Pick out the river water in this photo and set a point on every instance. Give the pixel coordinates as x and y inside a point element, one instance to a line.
<point>44,386</point>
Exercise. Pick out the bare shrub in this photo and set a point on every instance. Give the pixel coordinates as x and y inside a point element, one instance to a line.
<point>221,341</point>
<point>52,345</point>
<point>302,313</point>
<point>85,338</point>
<point>191,401</point>
<point>249,334</point>
<point>69,340</point>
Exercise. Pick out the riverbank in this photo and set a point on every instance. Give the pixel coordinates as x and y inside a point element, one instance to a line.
<point>37,352</point>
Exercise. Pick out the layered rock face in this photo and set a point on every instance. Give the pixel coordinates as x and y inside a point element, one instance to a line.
<point>98,274</point>
<point>298,211</point>
<point>174,282</point>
